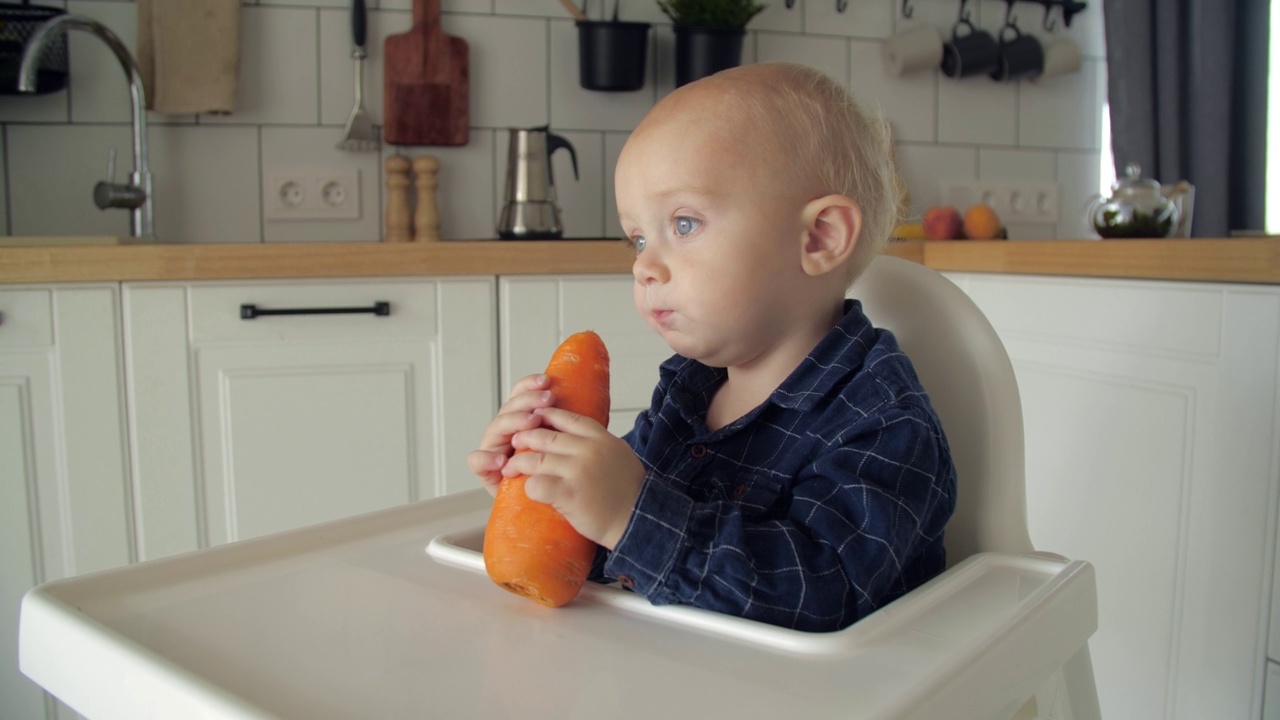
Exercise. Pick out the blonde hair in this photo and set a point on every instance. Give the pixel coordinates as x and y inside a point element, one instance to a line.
<point>832,142</point>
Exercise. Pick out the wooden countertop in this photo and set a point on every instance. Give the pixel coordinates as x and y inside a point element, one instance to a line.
<point>1249,260</point>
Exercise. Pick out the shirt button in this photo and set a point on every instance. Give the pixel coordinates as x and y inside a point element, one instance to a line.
<point>698,451</point>
<point>626,582</point>
<point>739,491</point>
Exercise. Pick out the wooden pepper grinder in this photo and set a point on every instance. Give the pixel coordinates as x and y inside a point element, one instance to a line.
<point>397,220</point>
<point>426,221</point>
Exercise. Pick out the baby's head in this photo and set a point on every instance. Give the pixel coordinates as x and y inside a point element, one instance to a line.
<point>798,131</point>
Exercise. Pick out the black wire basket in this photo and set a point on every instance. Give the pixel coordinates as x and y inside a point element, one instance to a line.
<point>17,24</point>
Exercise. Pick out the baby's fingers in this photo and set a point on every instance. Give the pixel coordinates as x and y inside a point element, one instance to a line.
<point>497,437</point>
<point>488,467</point>
<point>529,383</point>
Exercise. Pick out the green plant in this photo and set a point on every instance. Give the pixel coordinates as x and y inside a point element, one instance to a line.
<point>711,13</point>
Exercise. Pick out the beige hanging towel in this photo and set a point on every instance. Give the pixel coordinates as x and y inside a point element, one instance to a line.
<point>189,55</point>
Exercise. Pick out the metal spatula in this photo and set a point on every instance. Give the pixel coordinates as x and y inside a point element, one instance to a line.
<point>359,134</point>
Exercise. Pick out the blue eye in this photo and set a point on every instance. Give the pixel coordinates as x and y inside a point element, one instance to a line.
<point>638,243</point>
<point>686,225</point>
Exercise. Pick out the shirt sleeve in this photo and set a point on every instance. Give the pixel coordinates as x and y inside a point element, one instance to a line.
<point>859,527</point>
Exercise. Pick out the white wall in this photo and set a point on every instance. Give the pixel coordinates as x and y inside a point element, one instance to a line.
<point>296,92</point>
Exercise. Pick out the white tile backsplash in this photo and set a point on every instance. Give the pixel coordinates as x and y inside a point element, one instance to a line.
<point>924,167</point>
<point>978,111</point>
<point>1063,112</point>
<point>1002,164</point>
<point>53,192</point>
<point>778,17</point>
<point>206,188</point>
<point>279,82</point>
<point>98,82</point>
<point>508,73</point>
<point>296,91</point>
<point>828,54</point>
<point>909,102</point>
<point>613,143</point>
<point>467,191</point>
<point>580,199</point>
<point>861,18</point>
<point>1078,179</point>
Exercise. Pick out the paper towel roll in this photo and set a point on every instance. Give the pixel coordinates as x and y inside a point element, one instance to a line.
<point>917,49</point>
<point>1061,56</point>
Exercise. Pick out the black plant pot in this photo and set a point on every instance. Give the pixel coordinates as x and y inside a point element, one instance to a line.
<point>611,55</point>
<point>705,51</point>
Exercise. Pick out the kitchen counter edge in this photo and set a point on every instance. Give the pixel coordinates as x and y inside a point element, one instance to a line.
<point>1246,260</point>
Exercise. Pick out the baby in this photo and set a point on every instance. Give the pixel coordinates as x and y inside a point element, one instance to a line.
<point>790,468</point>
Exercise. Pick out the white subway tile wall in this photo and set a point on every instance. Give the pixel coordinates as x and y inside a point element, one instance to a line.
<point>296,90</point>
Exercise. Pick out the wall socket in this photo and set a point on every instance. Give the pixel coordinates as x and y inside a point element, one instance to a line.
<point>1014,202</point>
<point>312,193</point>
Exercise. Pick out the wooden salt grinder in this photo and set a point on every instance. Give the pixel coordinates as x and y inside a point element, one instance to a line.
<point>426,221</point>
<point>397,220</point>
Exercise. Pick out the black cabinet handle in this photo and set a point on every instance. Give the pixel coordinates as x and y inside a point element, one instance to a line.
<point>381,308</point>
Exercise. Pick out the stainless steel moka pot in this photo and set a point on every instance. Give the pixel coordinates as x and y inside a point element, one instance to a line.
<point>529,210</point>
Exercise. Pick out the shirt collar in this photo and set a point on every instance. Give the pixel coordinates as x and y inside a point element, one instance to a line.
<point>839,353</point>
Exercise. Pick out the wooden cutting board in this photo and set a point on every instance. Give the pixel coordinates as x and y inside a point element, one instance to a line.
<point>426,90</point>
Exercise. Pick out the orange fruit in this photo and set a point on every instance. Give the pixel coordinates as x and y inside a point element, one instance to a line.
<point>982,223</point>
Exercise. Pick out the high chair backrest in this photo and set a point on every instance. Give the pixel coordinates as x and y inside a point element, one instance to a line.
<point>966,371</point>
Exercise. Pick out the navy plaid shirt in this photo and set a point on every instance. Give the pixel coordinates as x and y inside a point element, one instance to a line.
<point>822,504</point>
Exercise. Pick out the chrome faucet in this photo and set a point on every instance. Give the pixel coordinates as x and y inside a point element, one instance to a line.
<point>135,194</point>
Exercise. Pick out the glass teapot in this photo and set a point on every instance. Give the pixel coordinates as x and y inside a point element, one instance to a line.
<point>1136,209</point>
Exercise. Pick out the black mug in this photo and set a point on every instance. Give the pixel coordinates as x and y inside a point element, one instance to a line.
<point>1021,56</point>
<point>973,53</point>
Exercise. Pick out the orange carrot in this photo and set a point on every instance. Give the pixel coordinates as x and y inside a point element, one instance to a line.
<point>529,548</point>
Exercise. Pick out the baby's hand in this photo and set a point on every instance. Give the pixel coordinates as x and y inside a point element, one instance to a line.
<point>591,477</point>
<point>528,394</point>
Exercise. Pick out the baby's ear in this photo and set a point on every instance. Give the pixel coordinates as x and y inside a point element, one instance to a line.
<point>832,224</point>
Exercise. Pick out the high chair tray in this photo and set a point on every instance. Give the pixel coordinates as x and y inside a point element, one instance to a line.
<point>352,619</point>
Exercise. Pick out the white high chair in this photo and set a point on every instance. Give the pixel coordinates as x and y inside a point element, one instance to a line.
<point>389,614</point>
<point>970,380</point>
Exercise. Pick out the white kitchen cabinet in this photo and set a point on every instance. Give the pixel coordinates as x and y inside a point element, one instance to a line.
<point>1271,700</point>
<point>1150,412</point>
<point>539,312</point>
<point>64,494</point>
<point>243,427</point>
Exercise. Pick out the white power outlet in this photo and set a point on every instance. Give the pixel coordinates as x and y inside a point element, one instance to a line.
<point>1014,202</point>
<point>312,193</point>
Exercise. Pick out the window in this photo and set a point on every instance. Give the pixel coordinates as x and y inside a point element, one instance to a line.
<point>1107,168</point>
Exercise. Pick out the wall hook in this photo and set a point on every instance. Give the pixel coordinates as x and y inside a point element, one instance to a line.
<point>791,4</point>
<point>1070,8</point>
<point>1010,20</point>
<point>1049,23</point>
<point>964,13</point>
<point>907,10</point>
<point>842,5</point>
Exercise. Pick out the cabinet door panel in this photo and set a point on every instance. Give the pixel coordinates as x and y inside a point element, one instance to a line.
<point>18,545</point>
<point>302,435</point>
<point>1150,417</point>
<point>64,501</point>
<point>245,427</point>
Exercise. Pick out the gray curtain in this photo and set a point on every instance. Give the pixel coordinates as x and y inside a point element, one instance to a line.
<point>1187,85</point>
